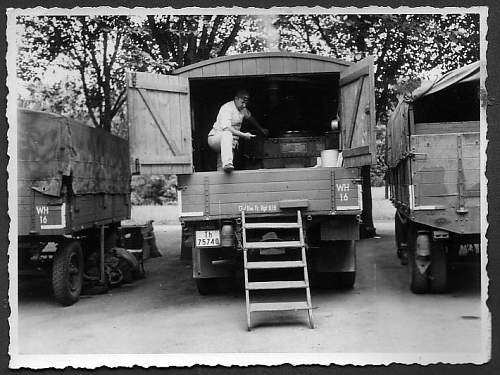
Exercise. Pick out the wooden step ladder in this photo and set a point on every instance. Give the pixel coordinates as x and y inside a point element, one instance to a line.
<point>276,264</point>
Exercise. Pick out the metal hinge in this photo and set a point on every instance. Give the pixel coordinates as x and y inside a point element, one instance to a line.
<point>416,155</point>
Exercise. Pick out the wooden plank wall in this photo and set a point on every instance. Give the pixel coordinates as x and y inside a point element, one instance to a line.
<point>220,194</point>
<point>167,99</point>
<point>259,65</point>
<point>436,175</point>
<point>82,212</point>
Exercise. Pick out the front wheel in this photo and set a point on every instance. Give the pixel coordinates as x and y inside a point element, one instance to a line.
<point>67,273</point>
<point>401,231</point>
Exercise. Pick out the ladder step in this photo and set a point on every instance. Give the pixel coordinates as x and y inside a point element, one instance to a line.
<point>259,285</point>
<point>272,245</point>
<point>271,225</point>
<point>276,264</point>
<point>279,306</point>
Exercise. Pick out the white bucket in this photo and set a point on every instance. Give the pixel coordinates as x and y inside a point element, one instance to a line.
<point>329,158</point>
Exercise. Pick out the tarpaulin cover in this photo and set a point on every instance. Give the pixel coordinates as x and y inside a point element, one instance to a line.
<point>51,146</point>
<point>397,127</point>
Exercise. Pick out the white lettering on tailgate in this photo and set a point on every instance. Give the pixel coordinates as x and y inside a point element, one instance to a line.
<point>342,187</point>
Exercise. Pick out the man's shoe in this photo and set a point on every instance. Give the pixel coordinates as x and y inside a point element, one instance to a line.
<point>228,167</point>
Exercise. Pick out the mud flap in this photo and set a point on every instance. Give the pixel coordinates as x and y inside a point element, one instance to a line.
<point>422,263</point>
<point>212,262</point>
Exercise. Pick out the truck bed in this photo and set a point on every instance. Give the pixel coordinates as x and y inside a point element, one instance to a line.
<point>91,164</point>
<point>266,192</point>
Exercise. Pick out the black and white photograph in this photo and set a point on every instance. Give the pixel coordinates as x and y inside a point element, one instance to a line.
<point>246,186</point>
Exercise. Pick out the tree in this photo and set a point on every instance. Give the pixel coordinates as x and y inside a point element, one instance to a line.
<point>185,39</point>
<point>403,46</point>
<point>91,45</point>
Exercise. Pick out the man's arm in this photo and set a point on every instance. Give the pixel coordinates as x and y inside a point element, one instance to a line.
<point>240,134</point>
<point>224,117</point>
<point>253,121</point>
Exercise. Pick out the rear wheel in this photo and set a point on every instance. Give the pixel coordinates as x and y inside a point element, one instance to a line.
<point>206,286</point>
<point>346,279</point>
<point>401,231</point>
<point>67,273</point>
<point>330,261</point>
<point>419,282</point>
<point>439,268</point>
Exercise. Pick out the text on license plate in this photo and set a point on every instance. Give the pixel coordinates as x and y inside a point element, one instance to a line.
<point>207,238</point>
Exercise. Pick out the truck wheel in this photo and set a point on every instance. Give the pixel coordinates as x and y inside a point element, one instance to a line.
<point>206,286</point>
<point>324,280</point>
<point>186,247</point>
<point>346,279</point>
<point>419,282</point>
<point>401,239</point>
<point>438,268</point>
<point>67,273</point>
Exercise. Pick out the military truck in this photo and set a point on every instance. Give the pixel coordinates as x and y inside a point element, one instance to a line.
<point>73,189</point>
<point>298,98</point>
<point>433,156</point>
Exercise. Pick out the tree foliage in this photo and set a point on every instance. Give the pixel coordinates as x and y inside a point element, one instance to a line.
<point>183,39</point>
<point>404,45</point>
<point>90,45</point>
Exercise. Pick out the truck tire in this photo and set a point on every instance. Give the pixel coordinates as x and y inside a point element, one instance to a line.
<point>67,273</point>
<point>346,279</point>
<point>206,286</point>
<point>419,282</point>
<point>401,230</point>
<point>439,268</point>
<point>336,278</point>
<point>324,280</point>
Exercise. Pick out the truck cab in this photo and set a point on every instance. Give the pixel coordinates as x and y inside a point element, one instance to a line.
<point>313,106</point>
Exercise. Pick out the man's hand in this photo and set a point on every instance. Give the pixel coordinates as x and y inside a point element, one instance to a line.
<point>248,135</point>
<point>246,113</point>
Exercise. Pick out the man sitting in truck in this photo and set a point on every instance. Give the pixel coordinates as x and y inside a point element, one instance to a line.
<point>225,133</point>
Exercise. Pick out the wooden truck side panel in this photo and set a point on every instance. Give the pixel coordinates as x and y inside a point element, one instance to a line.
<point>445,180</point>
<point>263,192</point>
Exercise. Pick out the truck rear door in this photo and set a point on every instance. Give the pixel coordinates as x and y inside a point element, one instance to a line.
<point>159,119</point>
<point>357,114</point>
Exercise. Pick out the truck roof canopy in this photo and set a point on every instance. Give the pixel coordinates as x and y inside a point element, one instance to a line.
<point>467,73</point>
<point>449,103</point>
<point>251,64</point>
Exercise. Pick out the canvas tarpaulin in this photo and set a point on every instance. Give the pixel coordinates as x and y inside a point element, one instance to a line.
<point>397,127</point>
<point>51,146</point>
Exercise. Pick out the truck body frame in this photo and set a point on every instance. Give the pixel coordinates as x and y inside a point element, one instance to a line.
<point>73,190</point>
<point>329,198</point>
<point>433,154</point>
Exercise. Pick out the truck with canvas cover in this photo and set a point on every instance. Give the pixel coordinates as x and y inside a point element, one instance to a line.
<point>299,98</point>
<point>73,188</point>
<point>433,156</point>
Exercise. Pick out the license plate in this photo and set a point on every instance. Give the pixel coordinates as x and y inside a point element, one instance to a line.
<point>207,238</point>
